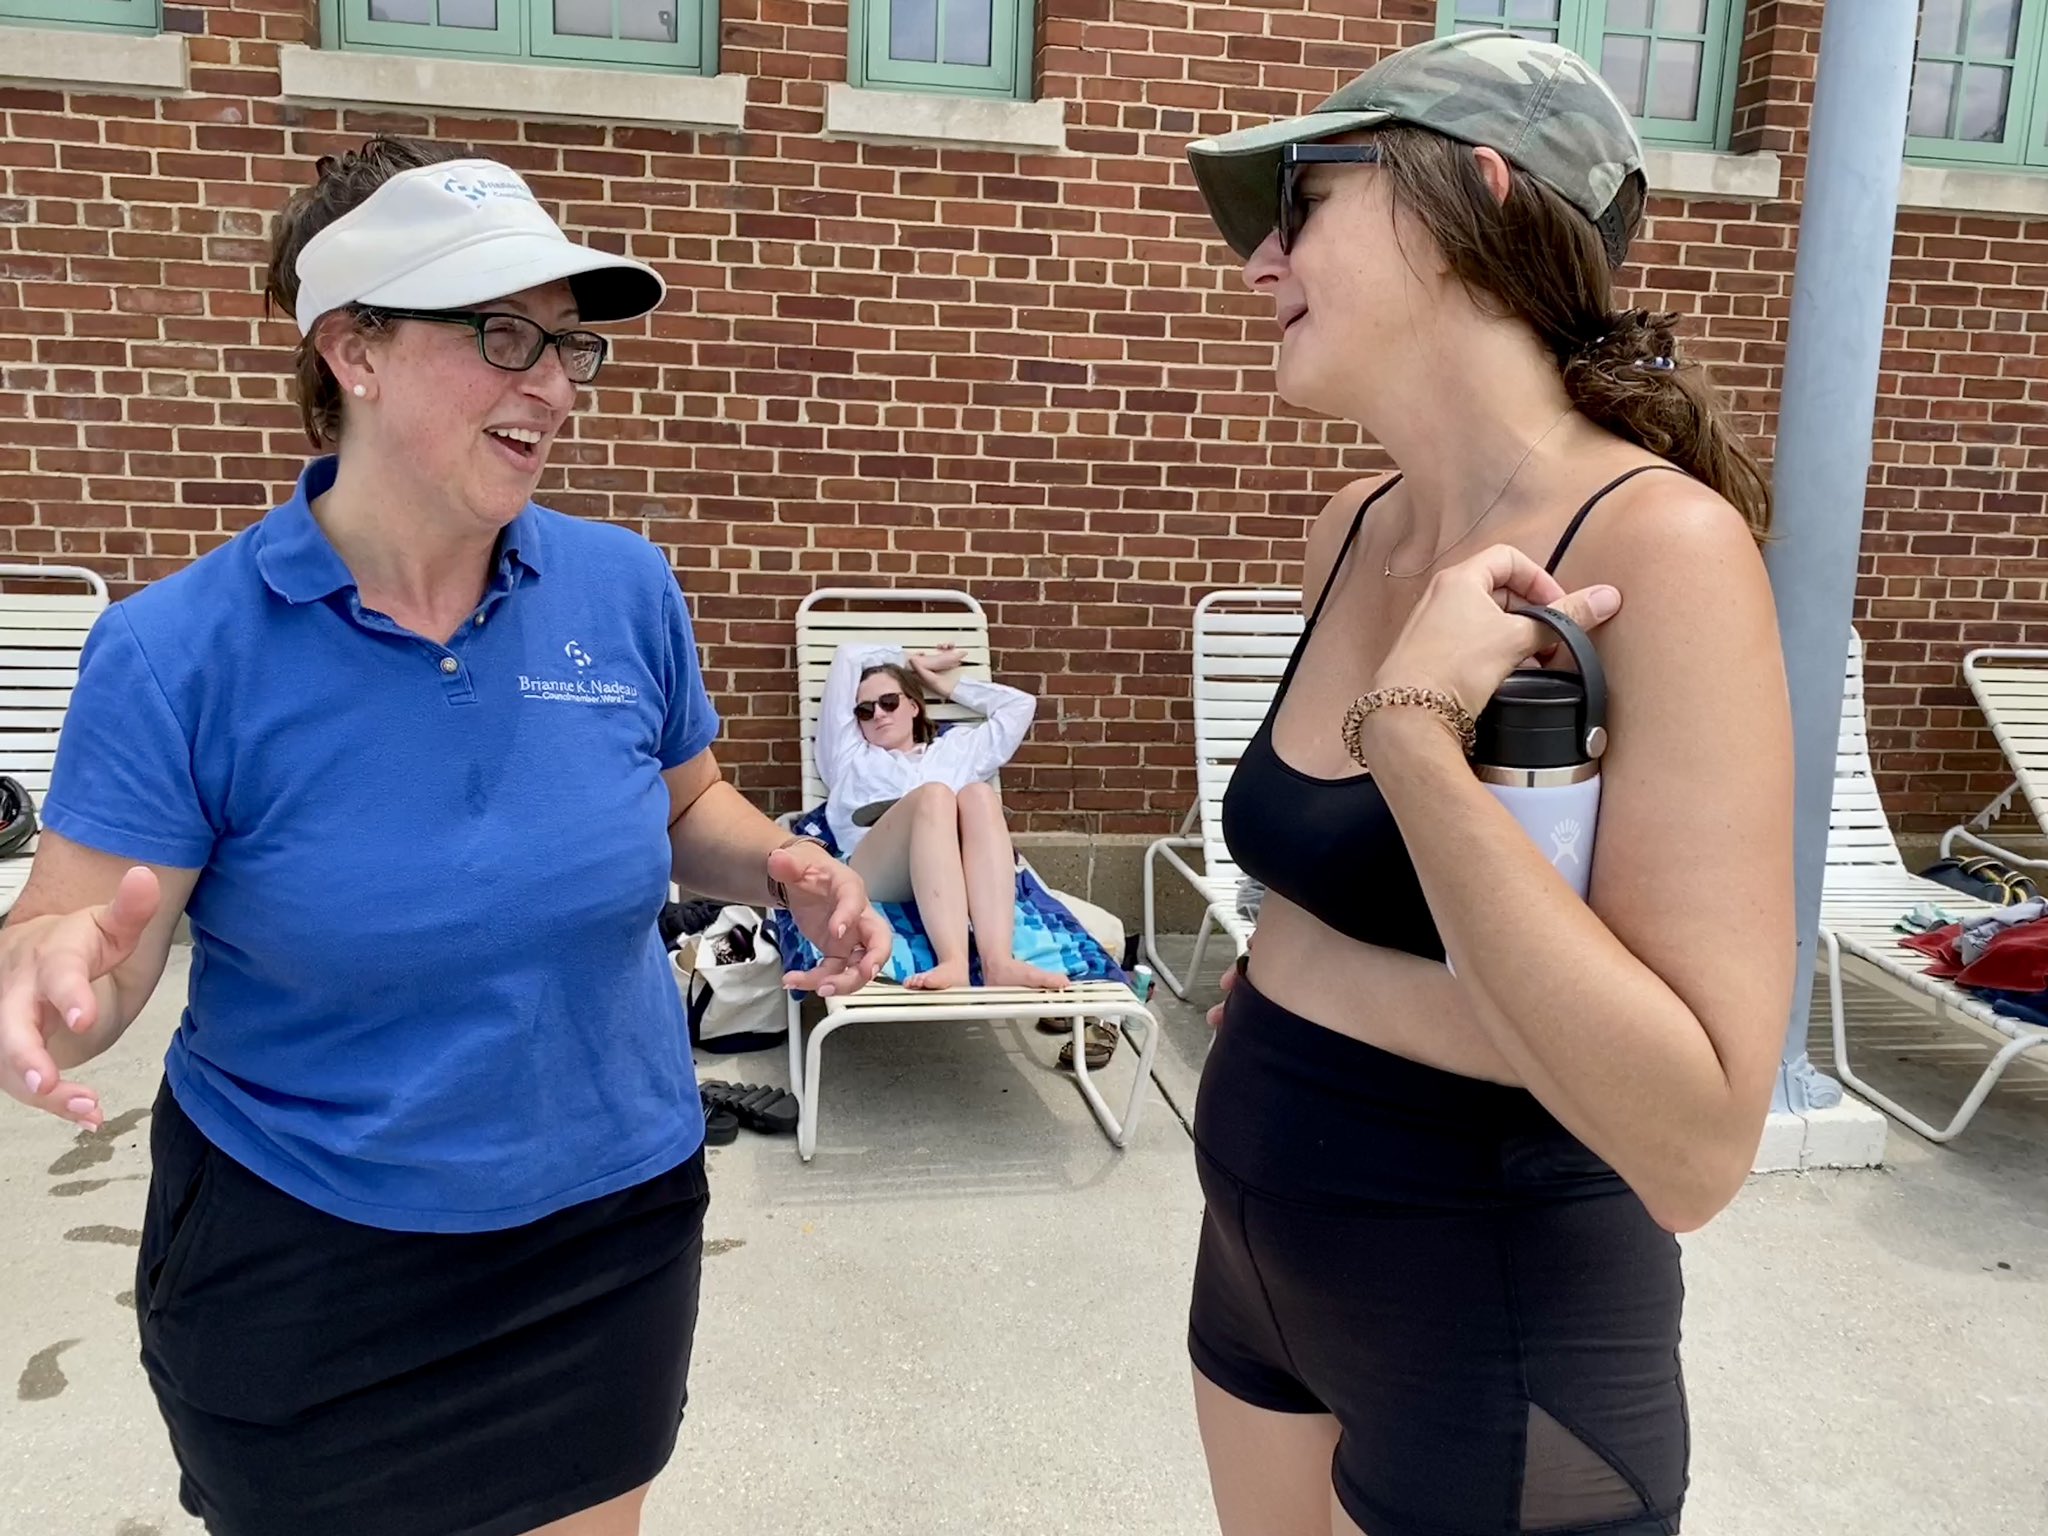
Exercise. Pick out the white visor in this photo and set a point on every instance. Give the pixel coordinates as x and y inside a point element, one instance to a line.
<point>454,234</point>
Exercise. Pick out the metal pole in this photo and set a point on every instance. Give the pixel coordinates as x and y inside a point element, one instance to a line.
<point>1846,228</point>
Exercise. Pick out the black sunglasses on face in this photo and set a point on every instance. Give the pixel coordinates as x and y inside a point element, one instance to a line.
<point>885,702</point>
<point>515,343</point>
<point>1294,159</point>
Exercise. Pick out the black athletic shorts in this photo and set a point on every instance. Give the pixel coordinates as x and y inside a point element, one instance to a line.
<point>322,1378</point>
<point>1483,1304</point>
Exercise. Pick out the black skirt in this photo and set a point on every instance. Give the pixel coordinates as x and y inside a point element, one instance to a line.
<point>322,1378</point>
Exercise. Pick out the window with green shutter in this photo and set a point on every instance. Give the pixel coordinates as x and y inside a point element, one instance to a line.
<point>1672,62</point>
<point>965,47</point>
<point>670,32</point>
<point>1977,84</point>
<point>1546,21</point>
<point>100,15</point>
<point>433,26</point>
<point>647,34</point>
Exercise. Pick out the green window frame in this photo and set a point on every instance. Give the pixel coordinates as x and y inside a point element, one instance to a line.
<point>93,15</point>
<point>1623,39</point>
<point>1960,46</point>
<point>872,62</point>
<point>525,29</point>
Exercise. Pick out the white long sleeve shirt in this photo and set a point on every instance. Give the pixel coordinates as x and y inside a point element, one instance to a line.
<point>857,772</point>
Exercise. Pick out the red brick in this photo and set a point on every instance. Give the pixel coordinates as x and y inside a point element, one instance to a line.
<point>1034,375</point>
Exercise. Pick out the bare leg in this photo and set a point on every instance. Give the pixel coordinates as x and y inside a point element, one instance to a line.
<point>989,860</point>
<point>914,851</point>
<point>1269,1472</point>
<point>614,1517</point>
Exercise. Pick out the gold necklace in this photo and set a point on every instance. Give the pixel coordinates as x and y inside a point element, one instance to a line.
<point>1387,567</point>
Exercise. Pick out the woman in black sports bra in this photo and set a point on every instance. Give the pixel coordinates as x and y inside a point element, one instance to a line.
<point>1438,1292</point>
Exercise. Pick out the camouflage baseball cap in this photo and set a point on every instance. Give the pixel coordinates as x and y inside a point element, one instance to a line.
<point>1542,107</point>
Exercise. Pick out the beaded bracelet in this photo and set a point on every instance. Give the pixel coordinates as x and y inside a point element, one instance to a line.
<point>775,886</point>
<point>1442,705</point>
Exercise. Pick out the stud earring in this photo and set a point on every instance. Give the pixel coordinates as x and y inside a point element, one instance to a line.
<point>359,391</point>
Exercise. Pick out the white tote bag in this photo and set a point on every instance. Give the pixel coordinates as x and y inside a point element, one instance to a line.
<point>734,1004</point>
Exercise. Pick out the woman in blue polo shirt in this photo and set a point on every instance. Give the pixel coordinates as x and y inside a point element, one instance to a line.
<point>418,759</point>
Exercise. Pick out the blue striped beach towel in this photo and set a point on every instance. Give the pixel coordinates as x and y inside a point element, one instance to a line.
<point>1047,934</point>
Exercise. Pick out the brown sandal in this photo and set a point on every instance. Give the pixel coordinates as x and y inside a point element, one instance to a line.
<point>1102,1043</point>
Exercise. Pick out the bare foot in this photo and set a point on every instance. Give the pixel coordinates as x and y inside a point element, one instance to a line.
<point>1015,973</point>
<point>940,977</point>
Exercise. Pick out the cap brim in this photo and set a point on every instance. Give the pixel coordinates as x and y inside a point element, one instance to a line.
<point>1239,173</point>
<point>607,287</point>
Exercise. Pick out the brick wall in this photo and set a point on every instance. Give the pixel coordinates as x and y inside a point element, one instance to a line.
<point>1034,376</point>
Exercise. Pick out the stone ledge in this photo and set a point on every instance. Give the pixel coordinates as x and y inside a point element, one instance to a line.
<point>1963,189</point>
<point>1713,173</point>
<point>333,77</point>
<point>1850,1134</point>
<point>916,117</point>
<point>60,56</point>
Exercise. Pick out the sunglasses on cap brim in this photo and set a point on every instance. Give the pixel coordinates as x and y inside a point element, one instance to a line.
<point>886,702</point>
<point>1297,158</point>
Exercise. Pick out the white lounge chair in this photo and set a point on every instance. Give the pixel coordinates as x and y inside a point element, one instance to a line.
<point>2011,687</point>
<point>1242,640</point>
<point>1867,890</point>
<point>919,619</point>
<point>44,620</point>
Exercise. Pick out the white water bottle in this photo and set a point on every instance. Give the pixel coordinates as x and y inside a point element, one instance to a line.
<point>1538,749</point>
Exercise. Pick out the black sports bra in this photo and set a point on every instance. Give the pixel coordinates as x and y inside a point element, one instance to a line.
<point>1330,846</point>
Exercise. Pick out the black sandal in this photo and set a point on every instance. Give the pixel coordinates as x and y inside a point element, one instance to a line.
<point>1102,1043</point>
<point>721,1125</point>
<point>770,1110</point>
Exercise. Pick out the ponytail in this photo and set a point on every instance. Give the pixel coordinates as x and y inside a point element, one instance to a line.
<point>1631,380</point>
<point>1533,256</point>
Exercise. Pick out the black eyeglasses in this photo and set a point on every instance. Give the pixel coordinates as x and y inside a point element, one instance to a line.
<point>886,702</point>
<point>1293,159</point>
<point>515,343</point>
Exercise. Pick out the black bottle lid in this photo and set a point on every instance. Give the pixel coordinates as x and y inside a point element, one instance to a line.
<point>1534,721</point>
<point>1546,718</point>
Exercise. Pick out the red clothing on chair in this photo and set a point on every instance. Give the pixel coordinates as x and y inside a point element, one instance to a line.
<point>2015,961</point>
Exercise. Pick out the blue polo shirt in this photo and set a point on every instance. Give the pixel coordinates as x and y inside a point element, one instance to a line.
<point>428,988</point>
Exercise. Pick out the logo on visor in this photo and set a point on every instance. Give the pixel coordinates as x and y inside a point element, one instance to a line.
<point>477,189</point>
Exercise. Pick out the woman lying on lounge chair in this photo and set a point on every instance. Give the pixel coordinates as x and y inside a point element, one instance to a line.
<point>912,810</point>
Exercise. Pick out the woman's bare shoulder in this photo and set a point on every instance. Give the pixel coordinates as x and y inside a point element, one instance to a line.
<point>1666,529</point>
<point>1327,533</point>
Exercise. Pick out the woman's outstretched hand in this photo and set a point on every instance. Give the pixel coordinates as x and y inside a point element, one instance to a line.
<point>829,904</point>
<point>47,969</point>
